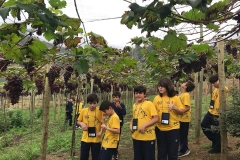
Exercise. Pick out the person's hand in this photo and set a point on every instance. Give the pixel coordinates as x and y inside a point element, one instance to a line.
<point>99,134</point>
<point>118,105</point>
<point>142,129</point>
<point>171,106</point>
<point>130,127</point>
<point>104,127</point>
<point>84,127</point>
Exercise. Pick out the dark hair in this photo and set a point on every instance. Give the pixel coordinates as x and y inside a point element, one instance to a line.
<point>140,89</point>
<point>213,78</point>
<point>72,98</point>
<point>167,83</point>
<point>116,94</point>
<point>190,86</point>
<point>105,105</point>
<point>92,98</point>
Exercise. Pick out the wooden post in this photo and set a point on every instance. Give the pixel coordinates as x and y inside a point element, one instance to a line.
<point>46,101</point>
<point>222,101</point>
<point>196,98</point>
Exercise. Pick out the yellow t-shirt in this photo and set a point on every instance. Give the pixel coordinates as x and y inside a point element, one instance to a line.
<point>79,107</point>
<point>161,104</point>
<point>185,99</point>
<point>144,113</point>
<point>110,139</point>
<point>91,119</point>
<point>215,98</point>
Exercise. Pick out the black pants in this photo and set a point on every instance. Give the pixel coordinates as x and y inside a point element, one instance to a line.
<point>167,144</point>
<point>115,152</point>
<point>212,134</point>
<point>106,154</point>
<point>144,150</point>
<point>183,136</point>
<point>85,148</point>
<point>69,118</point>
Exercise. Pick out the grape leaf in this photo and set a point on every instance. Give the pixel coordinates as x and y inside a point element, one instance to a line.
<point>58,4</point>
<point>49,34</point>
<point>81,66</point>
<point>136,8</point>
<point>212,26</point>
<point>9,3</point>
<point>173,42</point>
<point>4,12</point>
<point>194,14</point>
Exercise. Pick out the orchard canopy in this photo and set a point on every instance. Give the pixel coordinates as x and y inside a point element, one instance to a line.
<point>36,33</point>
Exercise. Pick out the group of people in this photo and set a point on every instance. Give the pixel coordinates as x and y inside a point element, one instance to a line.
<point>164,121</point>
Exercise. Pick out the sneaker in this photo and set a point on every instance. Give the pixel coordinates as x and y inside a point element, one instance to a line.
<point>115,157</point>
<point>214,151</point>
<point>182,154</point>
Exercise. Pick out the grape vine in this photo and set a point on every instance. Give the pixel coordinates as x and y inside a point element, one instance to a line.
<point>14,86</point>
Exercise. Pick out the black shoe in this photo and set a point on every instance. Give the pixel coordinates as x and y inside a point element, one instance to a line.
<point>214,151</point>
<point>182,154</point>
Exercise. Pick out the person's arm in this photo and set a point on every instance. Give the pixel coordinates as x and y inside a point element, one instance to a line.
<point>171,107</point>
<point>149,123</point>
<point>187,108</point>
<point>83,125</point>
<point>113,130</point>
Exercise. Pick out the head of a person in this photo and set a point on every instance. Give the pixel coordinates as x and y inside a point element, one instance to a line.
<point>214,80</point>
<point>92,101</point>
<point>72,99</point>
<point>188,86</point>
<point>140,93</point>
<point>116,96</point>
<point>106,107</point>
<point>166,87</point>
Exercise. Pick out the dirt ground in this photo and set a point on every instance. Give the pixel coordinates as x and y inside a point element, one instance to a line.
<point>198,151</point>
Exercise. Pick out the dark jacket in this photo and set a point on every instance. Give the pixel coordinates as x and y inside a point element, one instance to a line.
<point>69,107</point>
<point>120,112</point>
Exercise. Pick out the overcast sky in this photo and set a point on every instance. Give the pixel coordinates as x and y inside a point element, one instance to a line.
<point>93,11</point>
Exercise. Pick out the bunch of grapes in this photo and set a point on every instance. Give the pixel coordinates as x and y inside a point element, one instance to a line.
<point>14,87</point>
<point>29,66</point>
<point>71,87</point>
<point>67,74</point>
<point>176,76</point>
<point>228,48</point>
<point>193,66</point>
<point>39,85</point>
<point>53,73</point>
<point>55,88</point>
<point>234,52</point>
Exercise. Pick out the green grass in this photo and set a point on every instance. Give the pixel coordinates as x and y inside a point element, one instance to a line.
<point>24,143</point>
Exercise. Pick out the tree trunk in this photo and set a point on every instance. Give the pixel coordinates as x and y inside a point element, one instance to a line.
<point>197,114</point>
<point>54,106</point>
<point>31,110</point>
<point>45,118</point>
<point>222,101</point>
<point>59,105</point>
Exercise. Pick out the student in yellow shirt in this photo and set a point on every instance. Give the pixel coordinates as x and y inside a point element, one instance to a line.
<point>168,107</point>
<point>78,109</point>
<point>187,87</point>
<point>90,120</point>
<point>112,131</point>
<point>142,126</point>
<point>212,118</point>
